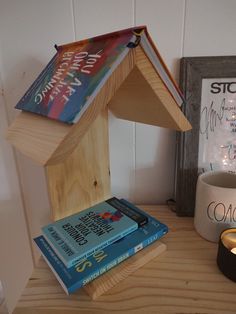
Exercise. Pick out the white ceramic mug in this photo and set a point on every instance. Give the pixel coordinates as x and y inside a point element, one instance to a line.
<point>215,208</point>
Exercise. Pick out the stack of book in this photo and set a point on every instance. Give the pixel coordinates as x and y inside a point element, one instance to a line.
<point>83,246</point>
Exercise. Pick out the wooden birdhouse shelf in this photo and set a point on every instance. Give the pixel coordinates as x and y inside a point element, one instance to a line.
<point>76,157</point>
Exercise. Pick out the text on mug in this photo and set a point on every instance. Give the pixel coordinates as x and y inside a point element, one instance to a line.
<point>221,213</point>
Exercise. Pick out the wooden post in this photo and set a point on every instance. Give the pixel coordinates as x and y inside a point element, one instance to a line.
<point>83,179</point>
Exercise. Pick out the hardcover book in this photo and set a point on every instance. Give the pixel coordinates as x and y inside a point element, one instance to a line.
<point>101,261</point>
<point>77,72</point>
<point>80,235</point>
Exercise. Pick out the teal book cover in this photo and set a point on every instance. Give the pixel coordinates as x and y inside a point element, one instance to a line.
<point>80,235</point>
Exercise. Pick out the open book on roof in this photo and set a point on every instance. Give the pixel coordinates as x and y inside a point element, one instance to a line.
<point>77,72</point>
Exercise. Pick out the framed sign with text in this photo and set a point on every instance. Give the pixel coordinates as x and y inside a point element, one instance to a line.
<point>209,87</point>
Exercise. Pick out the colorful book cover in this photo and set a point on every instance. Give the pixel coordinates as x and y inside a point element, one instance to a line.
<point>80,235</point>
<point>100,262</point>
<point>75,74</point>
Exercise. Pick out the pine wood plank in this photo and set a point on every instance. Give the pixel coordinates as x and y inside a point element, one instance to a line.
<point>114,276</point>
<point>36,136</point>
<point>83,179</point>
<point>96,107</point>
<point>137,101</point>
<point>184,279</point>
<point>144,98</point>
<point>49,142</point>
<point>179,121</point>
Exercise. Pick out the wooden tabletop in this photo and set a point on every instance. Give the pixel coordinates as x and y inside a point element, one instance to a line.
<point>184,279</point>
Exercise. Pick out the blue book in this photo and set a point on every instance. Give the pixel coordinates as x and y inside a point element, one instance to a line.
<point>101,261</point>
<point>81,235</point>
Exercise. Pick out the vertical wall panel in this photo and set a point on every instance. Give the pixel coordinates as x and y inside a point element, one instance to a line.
<point>165,21</point>
<point>155,147</point>
<point>28,31</point>
<point>210,28</point>
<point>94,18</point>
<point>15,254</point>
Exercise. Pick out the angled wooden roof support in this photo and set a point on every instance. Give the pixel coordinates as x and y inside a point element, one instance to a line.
<point>76,157</point>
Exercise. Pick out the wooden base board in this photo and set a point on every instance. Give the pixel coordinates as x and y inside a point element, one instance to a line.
<point>110,279</point>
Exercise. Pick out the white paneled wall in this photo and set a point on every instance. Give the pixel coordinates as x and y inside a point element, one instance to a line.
<point>142,157</point>
<point>155,147</point>
<point>210,28</point>
<point>15,253</point>
<point>108,16</point>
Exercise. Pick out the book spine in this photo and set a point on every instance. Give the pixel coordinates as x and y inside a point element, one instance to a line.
<point>129,211</point>
<point>59,239</point>
<point>119,259</point>
<point>52,259</point>
<point>67,290</point>
<point>75,260</point>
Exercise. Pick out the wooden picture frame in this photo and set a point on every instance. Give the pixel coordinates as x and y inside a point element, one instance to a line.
<point>193,72</point>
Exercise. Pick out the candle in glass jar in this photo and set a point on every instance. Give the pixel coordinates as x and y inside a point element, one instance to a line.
<point>226,256</point>
<point>228,238</point>
<point>233,250</point>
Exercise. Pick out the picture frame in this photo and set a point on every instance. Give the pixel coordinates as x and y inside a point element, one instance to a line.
<point>208,120</point>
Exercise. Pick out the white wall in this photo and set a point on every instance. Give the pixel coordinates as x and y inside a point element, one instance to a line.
<point>15,252</point>
<point>142,157</point>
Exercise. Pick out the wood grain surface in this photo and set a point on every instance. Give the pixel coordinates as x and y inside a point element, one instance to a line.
<point>178,120</point>
<point>184,279</point>
<point>49,142</point>
<point>113,277</point>
<point>83,179</point>
<point>143,97</point>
